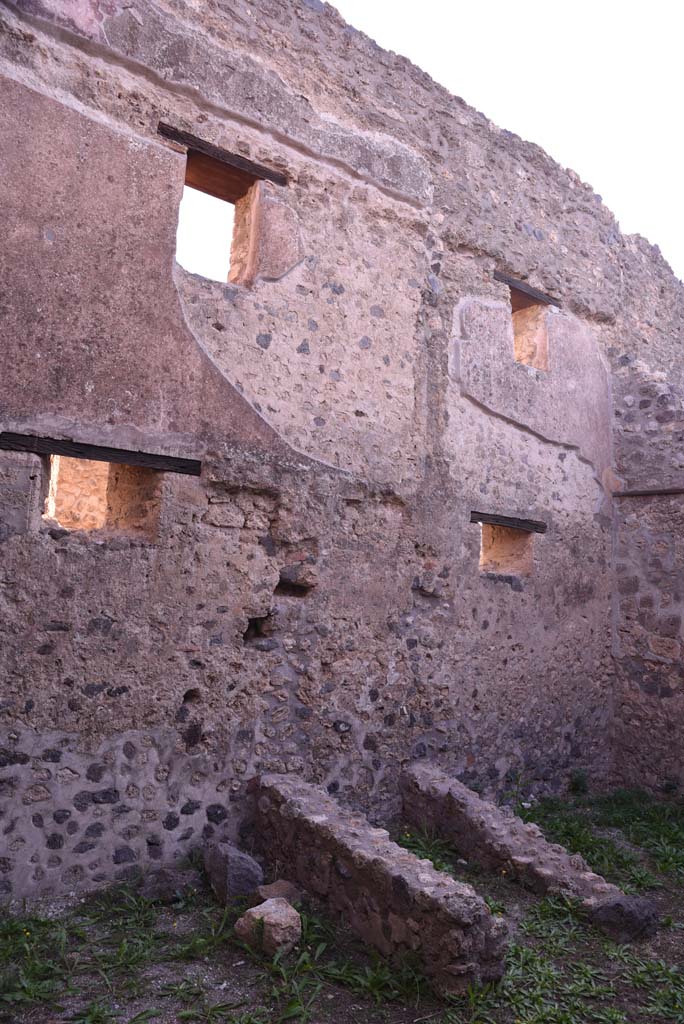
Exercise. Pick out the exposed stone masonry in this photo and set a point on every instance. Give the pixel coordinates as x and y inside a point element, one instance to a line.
<point>389,897</point>
<point>316,601</point>
<point>72,820</point>
<point>498,840</point>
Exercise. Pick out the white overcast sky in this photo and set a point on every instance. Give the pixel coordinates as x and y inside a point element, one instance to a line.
<point>599,84</point>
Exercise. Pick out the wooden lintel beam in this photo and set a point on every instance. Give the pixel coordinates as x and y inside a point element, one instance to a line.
<point>193,143</point>
<point>526,289</point>
<point>528,525</point>
<point>100,453</point>
<point>648,492</point>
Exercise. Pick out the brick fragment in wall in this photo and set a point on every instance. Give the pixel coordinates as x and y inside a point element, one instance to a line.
<point>389,897</point>
<point>495,838</point>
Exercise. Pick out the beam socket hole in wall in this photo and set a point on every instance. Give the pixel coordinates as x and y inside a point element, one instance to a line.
<point>192,696</point>
<point>290,585</point>
<point>88,495</point>
<point>505,550</point>
<point>215,219</point>
<point>287,589</point>
<point>257,628</point>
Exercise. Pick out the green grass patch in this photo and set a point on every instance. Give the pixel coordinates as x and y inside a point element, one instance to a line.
<point>573,824</point>
<point>100,958</point>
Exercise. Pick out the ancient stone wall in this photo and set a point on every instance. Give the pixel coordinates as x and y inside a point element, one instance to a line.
<point>390,898</point>
<point>649,560</point>
<point>648,641</point>
<point>314,601</point>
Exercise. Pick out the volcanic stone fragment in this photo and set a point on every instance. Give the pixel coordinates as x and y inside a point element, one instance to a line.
<point>280,889</point>
<point>231,872</point>
<point>625,918</point>
<point>272,926</point>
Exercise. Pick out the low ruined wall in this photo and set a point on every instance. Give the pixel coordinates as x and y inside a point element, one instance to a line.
<point>496,839</point>
<point>389,898</point>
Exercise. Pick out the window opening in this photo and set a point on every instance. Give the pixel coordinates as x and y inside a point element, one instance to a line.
<point>88,495</point>
<point>530,331</point>
<point>204,235</point>
<point>218,210</point>
<point>529,312</point>
<point>506,545</point>
<point>215,219</point>
<point>505,550</point>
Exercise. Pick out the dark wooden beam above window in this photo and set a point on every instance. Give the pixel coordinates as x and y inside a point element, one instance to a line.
<point>248,168</point>
<point>649,492</point>
<point>216,179</point>
<point>529,525</point>
<point>100,453</point>
<point>522,286</point>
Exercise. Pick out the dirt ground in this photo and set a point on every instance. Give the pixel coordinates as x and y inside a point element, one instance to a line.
<point>125,955</point>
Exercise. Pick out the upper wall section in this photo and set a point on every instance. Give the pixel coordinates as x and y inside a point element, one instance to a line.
<point>385,169</point>
<point>93,333</point>
<point>323,345</point>
<point>181,52</point>
<point>384,120</point>
<point>566,404</point>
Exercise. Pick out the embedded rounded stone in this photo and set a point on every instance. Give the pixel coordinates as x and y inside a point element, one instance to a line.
<point>190,806</point>
<point>73,874</point>
<point>124,855</point>
<point>83,800</point>
<point>83,847</point>
<point>106,796</point>
<point>216,813</point>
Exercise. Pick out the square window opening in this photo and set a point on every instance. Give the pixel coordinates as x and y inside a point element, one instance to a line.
<point>530,330</point>
<point>215,220</point>
<point>89,495</point>
<point>506,550</point>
